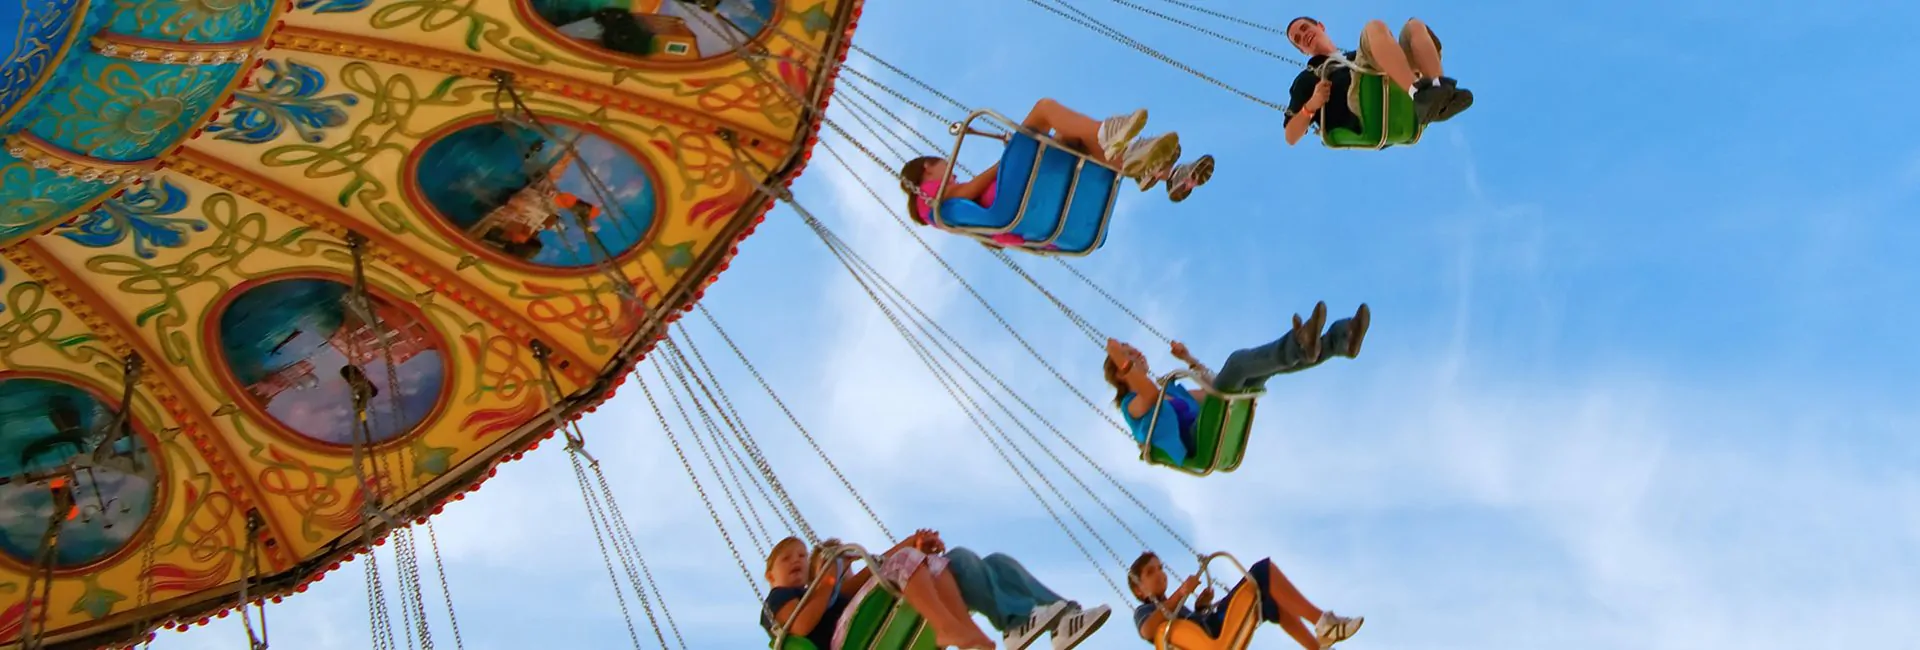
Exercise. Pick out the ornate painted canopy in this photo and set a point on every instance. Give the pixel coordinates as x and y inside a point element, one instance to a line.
<point>230,229</point>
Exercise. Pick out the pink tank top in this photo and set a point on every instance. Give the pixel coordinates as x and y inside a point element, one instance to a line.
<point>932,185</point>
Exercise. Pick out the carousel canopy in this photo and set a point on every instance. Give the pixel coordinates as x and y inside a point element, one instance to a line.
<point>268,263</point>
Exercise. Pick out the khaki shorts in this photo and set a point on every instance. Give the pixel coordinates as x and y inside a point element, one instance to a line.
<point>1363,64</point>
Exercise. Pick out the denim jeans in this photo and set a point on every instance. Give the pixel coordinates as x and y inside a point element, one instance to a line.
<point>1249,369</point>
<point>997,587</point>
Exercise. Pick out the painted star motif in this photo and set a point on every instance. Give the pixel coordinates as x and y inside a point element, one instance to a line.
<point>675,258</point>
<point>430,461</point>
<point>816,20</point>
<point>97,602</point>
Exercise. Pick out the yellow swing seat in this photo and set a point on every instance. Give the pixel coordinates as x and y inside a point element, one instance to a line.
<point>1236,628</point>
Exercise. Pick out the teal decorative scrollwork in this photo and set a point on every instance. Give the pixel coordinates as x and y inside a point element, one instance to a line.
<point>150,216</point>
<point>290,95</point>
<point>196,21</point>
<point>129,110</point>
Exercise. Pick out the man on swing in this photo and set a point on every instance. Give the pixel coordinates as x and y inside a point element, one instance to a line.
<point>1411,61</point>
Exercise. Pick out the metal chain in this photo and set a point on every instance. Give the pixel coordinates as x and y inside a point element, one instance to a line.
<point>1217,14</point>
<point>1104,413</point>
<point>721,444</point>
<point>607,511</point>
<point>704,499</point>
<point>1091,23</point>
<point>624,531</point>
<point>1249,46</point>
<point>811,442</point>
<point>1094,335</point>
<point>440,569</point>
<point>1116,301</point>
<point>593,516</point>
<point>693,431</point>
<point>965,403</point>
<point>556,407</point>
<point>753,450</point>
<point>728,411</point>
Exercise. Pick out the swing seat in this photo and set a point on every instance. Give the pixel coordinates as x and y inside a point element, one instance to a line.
<point>1050,200</point>
<point>1387,117</point>
<point>1236,628</point>
<point>1219,433</point>
<point>879,619</point>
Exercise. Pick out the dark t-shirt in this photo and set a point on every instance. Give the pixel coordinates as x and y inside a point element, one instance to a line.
<point>1146,610</point>
<point>1336,113</point>
<point>822,634</point>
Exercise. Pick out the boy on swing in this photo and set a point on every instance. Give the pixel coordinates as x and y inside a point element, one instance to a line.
<point>1325,92</point>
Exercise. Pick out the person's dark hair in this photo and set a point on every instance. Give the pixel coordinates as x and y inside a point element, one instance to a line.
<point>1112,372</point>
<point>911,176</point>
<point>1133,573</point>
<point>1309,19</point>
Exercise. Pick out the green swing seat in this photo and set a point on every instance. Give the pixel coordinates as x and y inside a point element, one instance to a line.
<point>1386,116</point>
<point>878,619</point>
<point>1219,433</point>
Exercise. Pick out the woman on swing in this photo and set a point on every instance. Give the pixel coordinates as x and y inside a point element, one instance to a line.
<point>924,581</point>
<point>1245,370</point>
<point>1110,142</point>
<point>1199,627</point>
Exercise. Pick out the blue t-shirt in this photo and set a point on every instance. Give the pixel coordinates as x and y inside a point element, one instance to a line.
<point>822,633</point>
<point>1173,427</point>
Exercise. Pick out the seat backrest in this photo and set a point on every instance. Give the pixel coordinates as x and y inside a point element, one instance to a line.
<point>878,620</point>
<point>1220,434</point>
<point>1387,117</point>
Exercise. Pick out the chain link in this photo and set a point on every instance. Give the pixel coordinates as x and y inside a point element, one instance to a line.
<point>1098,27</point>
<point>1249,46</point>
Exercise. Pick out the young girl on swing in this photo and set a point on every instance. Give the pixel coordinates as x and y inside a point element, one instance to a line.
<point>1136,392</point>
<point>923,580</point>
<point>1109,142</point>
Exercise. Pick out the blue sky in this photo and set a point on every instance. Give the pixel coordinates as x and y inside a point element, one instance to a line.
<point>1640,373</point>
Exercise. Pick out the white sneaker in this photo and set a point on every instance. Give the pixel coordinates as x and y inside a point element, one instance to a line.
<point>1025,634</point>
<point>1149,160</point>
<point>1117,131</point>
<point>1077,626</point>
<point>1333,629</point>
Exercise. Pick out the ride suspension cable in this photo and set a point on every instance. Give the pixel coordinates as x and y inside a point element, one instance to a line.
<point>901,221</point>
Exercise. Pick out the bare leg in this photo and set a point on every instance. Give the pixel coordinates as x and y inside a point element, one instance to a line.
<point>1384,50</point>
<point>1300,633</point>
<point>1068,126</point>
<point>950,596</point>
<point>948,631</point>
<point>1291,602</point>
<point>1426,53</point>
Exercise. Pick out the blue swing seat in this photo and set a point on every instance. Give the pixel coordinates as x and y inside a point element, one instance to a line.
<point>1050,199</point>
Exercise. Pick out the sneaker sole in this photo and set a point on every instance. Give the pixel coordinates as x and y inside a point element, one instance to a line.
<point>1202,171</point>
<point>1439,97</point>
<point>1136,122</point>
<point>1086,632</point>
<point>1040,628</point>
<point>1326,642</point>
<point>1461,100</point>
<point>1165,151</point>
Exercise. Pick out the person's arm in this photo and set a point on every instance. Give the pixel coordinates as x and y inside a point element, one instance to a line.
<point>810,612</point>
<point>1146,394</point>
<point>975,187</point>
<point>1150,627</point>
<point>1310,94</point>
<point>1200,370</point>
